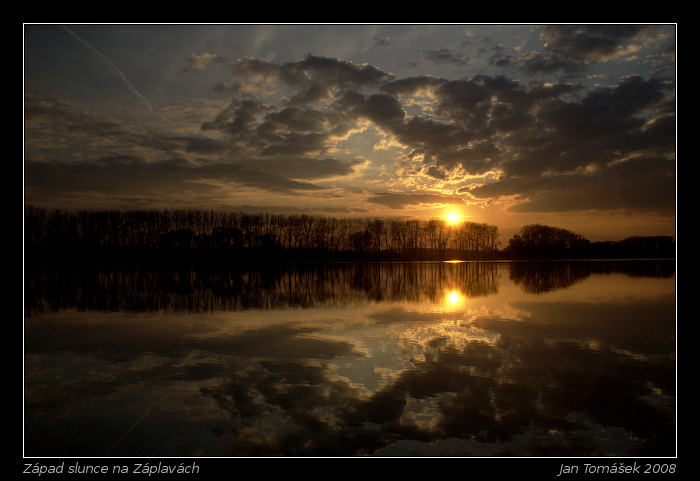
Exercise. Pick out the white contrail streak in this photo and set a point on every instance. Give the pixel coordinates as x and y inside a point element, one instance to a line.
<point>126,81</point>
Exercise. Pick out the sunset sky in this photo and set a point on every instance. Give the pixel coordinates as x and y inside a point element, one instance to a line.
<point>572,126</point>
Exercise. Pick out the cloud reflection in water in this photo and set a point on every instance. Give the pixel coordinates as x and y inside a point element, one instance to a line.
<point>353,360</point>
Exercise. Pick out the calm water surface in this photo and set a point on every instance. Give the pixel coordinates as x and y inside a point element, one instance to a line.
<point>387,359</point>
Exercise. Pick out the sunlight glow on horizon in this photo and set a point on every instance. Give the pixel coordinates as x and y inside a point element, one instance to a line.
<point>453,217</point>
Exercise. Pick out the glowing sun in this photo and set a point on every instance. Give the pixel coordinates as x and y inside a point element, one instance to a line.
<point>452,217</point>
<point>453,298</point>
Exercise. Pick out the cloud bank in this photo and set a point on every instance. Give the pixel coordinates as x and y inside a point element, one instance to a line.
<point>538,137</point>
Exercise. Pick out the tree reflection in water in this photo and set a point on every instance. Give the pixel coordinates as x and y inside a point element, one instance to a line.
<point>351,359</point>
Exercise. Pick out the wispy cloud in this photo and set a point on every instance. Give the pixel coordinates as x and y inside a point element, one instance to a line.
<point>114,67</point>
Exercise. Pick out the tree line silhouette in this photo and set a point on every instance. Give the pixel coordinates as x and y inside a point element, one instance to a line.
<point>278,236</point>
<point>187,288</point>
<point>110,287</point>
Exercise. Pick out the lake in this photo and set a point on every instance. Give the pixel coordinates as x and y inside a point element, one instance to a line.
<point>351,359</point>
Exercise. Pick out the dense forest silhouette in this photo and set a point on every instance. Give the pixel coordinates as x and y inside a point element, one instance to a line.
<point>192,234</point>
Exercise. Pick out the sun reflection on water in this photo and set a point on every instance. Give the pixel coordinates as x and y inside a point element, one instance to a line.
<point>453,298</point>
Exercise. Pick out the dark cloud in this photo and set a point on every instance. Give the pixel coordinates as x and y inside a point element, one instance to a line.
<point>381,41</point>
<point>501,58</point>
<point>590,43</point>
<point>538,63</point>
<point>475,160</point>
<point>604,126</point>
<point>165,164</point>
<point>71,122</point>
<point>432,134</point>
<point>134,177</point>
<point>570,49</point>
<point>412,85</point>
<point>316,92</point>
<point>645,184</point>
<point>442,56</point>
<point>307,168</point>
<point>331,71</point>
<point>398,200</point>
<point>381,109</point>
<point>436,173</point>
